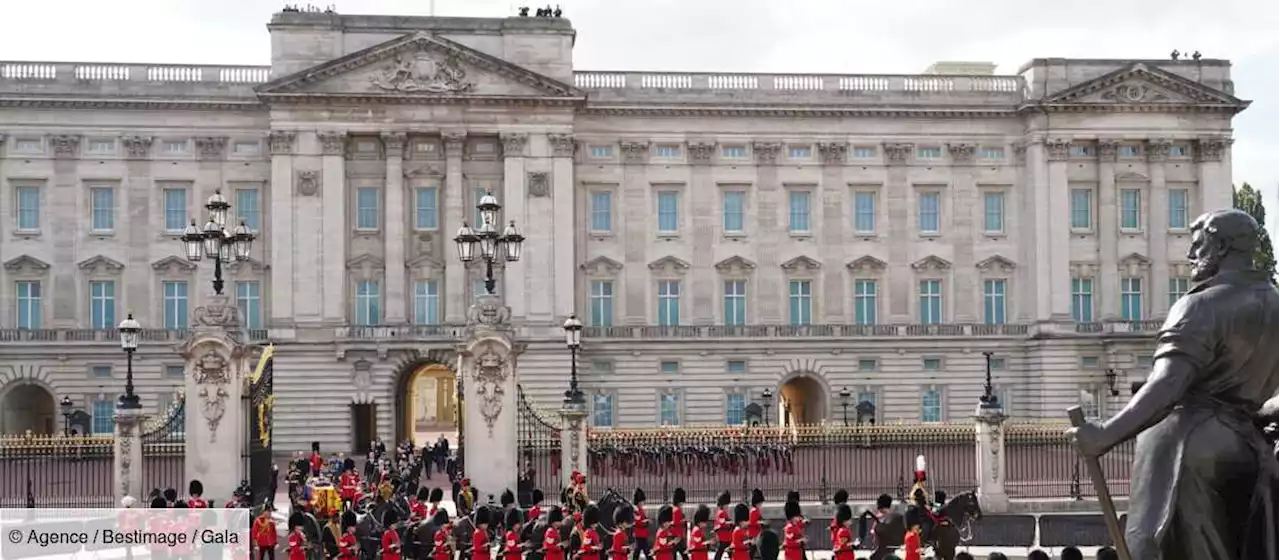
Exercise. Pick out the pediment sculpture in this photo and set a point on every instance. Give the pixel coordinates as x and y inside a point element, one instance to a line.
<point>421,73</point>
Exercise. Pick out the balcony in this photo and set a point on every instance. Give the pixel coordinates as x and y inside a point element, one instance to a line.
<point>125,80</point>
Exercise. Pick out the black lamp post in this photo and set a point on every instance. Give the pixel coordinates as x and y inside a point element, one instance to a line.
<point>493,246</point>
<point>129,329</point>
<point>1111,382</point>
<point>66,406</point>
<point>215,242</point>
<point>845,395</point>
<point>988,398</point>
<point>573,339</point>
<point>767,397</point>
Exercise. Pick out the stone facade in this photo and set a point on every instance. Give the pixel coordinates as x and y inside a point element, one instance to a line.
<point>961,200</point>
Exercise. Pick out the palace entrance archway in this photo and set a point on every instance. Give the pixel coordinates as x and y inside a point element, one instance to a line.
<point>29,407</point>
<point>428,405</point>
<point>802,400</point>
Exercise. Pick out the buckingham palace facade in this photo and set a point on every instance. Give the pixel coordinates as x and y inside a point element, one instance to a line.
<point>831,238</point>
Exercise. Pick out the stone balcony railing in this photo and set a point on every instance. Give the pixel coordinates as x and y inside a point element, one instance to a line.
<point>127,80</point>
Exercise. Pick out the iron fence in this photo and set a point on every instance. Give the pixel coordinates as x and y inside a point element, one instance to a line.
<point>56,471</point>
<point>1042,462</point>
<point>539,441</point>
<point>164,450</point>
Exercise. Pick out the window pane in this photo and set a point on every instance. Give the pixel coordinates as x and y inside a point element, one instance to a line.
<point>426,302</point>
<point>30,307</point>
<point>175,209</point>
<point>368,303</point>
<point>733,409</point>
<point>1131,299</point>
<point>1082,300</point>
<point>931,406</point>
<point>602,411</point>
<point>425,203</point>
<point>864,302</point>
<point>175,305</point>
<point>993,212</point>
<point>1081,208</point>
<point>102,304</point>
<point>28,208</point>
<point>668,211</point>
<point>249,300</point>
<point>1130,208</point>
<point>993,301</point>
<point>928,212</point>
<point>735,302</point>
<point>930,302</point>
<point>733,210</point>
<point>798,215</point>
<point>367,208</point>
<point>1178,208</point>
<point>602,303</point>
<point>669,302</point>
<point>801,302</point>
<point>103,201</point>
<point>248,208</point>
<point>602,211</point>
<point>864,212</point>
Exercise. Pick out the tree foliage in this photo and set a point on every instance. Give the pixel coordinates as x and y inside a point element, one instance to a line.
<point>1249,199</point>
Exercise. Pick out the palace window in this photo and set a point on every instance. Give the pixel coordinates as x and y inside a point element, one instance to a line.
<point>930,210</point>
<point>734,408</point>
<point>102,208</point>
<point>930,302</point>
<point>666,151</point>
<point>602,211</point>
<point>866,365</point>
<point>1130,208</point>
<point>798,204</point>
<point>668,302</point>
<point>736,152</point>
<point>1082,300</point>
<point>175,210</point>
<point>249,208</point>
<point>993,298</point>
<point>669,409</point>
<point>426,208</point>
<point>30,307</point>
<point>993,212</point>
<point>734,206</point>
<point>602,303</point>
<point>102,304</point>
<point>175,304</point>
<point>800,302</point>
<point>28,208</point>
<point>931,406</point>
<point>1178,208</point>
<point>929,152</point>
<point>426,302</point>
<point>1081,208</point>
<point>735,302</point>
<point>864,302</point>
<point>367,208</point>
<point>104,417</point>
<point>601,152</point>
<point>602,411</point>
<point>368,303</point>
<point>991,153</point>
<point>864,212</point>
<point>668,212</point>
<point>1131,299</point>
<point>1178,287</point>
<point>799,152</point>
<point>249,301</point>
<point>864,152</point>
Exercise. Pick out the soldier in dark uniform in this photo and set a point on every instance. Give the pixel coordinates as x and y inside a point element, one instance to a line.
<point>1204,479</point>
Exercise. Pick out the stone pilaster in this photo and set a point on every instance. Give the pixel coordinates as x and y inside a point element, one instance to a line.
<point>990,467</point>
<point>564,253</point>
<point>964,198</point>
<point>1213,167</point>
<point>833,201</point>
<point>703,213</point>
<point>1157,230</point>
<point>138,166</point>
<point>455,213</point>
<point>534,218</point>
<point>1037,188</point>
<point>636,210</point>
<point>898,197</point>
<point>128,454</point>
<point>1106,222</point>
<point>770,210</point>
<point>1059,199</point>
<point>65,191</point>
<point>573,440</point>
<point>397,216</point>
<point>280,245</point>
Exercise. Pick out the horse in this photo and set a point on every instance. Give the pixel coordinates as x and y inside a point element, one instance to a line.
<point>960,514</point>
<point>608,504</point>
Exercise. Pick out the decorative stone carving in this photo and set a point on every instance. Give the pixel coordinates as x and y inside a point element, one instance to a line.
<point>1210,148</point>
<point>575,440</point>
<point>562,145</point>
<point>669,265</point>
<point>335,143</point>
<point>362,375</point>
<point>601,267</point>
<point>65,145</point>
<point>218,312</point>
<point>996,263</point>
<point>99,265</point>
<point>701,152</point>
<point>833,152</point>
<point>866,264</point>
<point>513,144</point>
<point>1107,149</point>
<point>308,182</point>
<point>491,374</point>
<point>634,151</point>
<point>126,457</point>
<point>800,264</point>
<point>488,311</point>
<point>898,153</point>
<point>173,264</point>
<point>281,142</point>
<point>538,183</point>
<point>735,265</point>
<point>766,152</point>
<point>421,73</point>
<point>137,147</point>
<point>931,263</point>
<point>27,264</point>
<point>961,152</point>
<point>1019,152</point>
<point>1057,149</point>
<point>1133,93</point>
<point>211,147</point>
<point>454,141</point>
<point>212,377</point>
<point>1134,265</point>
<point>1158,149</point>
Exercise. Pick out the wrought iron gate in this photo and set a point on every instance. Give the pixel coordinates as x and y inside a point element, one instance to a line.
<point>539,444</point>
<point>259,404</point>
<point>164,449</point>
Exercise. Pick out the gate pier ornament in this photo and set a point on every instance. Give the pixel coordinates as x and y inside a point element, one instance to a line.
<point>487,368</point>
<point>989,452</point>
<point>212,378</point>
<point>128,453</point>
<point>573,440</point>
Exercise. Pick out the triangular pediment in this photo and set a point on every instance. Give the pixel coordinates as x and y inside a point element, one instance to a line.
<point>247,265</point>
<point>365,261</point>
<point>996,263</point>
<point>735,265</point>
<point>26,262</point>
<point>866,263</point>
<point>428,261</point>
<point>801,263</point>
<point>1134,264</point>
<point>1141,84</point>
<point>174,263</point>
<point>418,65</point>
<point>602,266</point>
<point>100,264</point>
<point>931,262</point>
<point>669,264</point>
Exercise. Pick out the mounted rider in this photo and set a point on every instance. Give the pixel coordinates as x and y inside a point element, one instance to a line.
<point>930,505</point>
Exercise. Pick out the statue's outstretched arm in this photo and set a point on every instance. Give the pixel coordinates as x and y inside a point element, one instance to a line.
<point>1171,375</point>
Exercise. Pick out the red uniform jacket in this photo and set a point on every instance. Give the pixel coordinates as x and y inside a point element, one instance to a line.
<point>911,546</point>
<point>792,548</point>
<point>440,547</point>
<point>534,513</point>
<point>297,545</point>
<point>724,526</point>
<point>480,544</point>
<point>511,546</point>
<point>664,545</point>
<point>347,547</point>
<point>619,549</point>
<point>698,544</point>
<point>348,485</point>
<point>843,545</point>
<point>753,523</point>
<point>833,529</point>
<point>317,462</point>
<point>551,544</point>
<point>264,532</point>
<point>390,545</point>
<point>197,503</point>
<point>418,511</point>
<point>678,527</point>
<point>591,544</point>
<point>741,550</point>
<point>641,530</point>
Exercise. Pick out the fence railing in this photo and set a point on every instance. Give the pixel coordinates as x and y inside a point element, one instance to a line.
<point>1041,462</point>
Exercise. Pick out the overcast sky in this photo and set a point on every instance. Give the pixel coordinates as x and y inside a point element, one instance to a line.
<point>831,36</point>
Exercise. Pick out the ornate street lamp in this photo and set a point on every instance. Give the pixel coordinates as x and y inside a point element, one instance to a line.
<point>767,398</point>
<point>485,239</point>
<point>1111,382</point>
<point>988,398</point>
<point>845,395</point>
<point>215,241</point>
<point>573,339</point>
<point>66,406</point>
<point>129,330</point>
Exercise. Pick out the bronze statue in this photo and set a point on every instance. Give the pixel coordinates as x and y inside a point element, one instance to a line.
<point>1204,479</point>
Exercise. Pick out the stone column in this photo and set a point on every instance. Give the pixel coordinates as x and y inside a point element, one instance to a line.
<point>963,199</point>
<point>397,214</point>
<point>217,363</point>
<point>1059,231</point>
<point>64,194</point>
<point>1214,170</point>
<point>635,210</point>
<point>564,271</point>
<point>128,454</point>
<point>455,212</point>
<point>834,202</point>
<point>488,369</point>
<point>703,210</point>
<point>535,224</point>
<point>898,196</point>
<point>1106,222</point>
<point>770,203</point>
<point>989,427</point>
<point>1037,187</point>
<point>138,285</point>
<point>573,440</point>
<point>332,251</point>
<point>1158,231</point>
<point>280,243</point>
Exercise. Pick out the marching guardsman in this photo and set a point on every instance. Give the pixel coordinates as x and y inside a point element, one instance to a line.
<point>508,501</point>
<point>297,539</point>
<point>434,499</point>
<point>480,536</point>
<point>741,543</point>
<point>265,538</point>
<point>347,545</point>
<point>679,528</point>
<point>418,510</point>
<point>553,545</point>
<point>842,545</point>
<point>591,545</point>
<point>577,496</point>
<point>756,521</point>
<point>196,491</point>
<point>641,533</point>
<point>442,543</point>
<point>911,541</point>
<point>535,507</point>
<point>317,460</point>
<point>840,498</point>
<point>348,484</point>
<point>391,536</point>
<point>724,524</point>
<point>512,548</point>
<point>699,536</point>
<point>623,517</point>
<point>793,539</point>
<point>664,543</point>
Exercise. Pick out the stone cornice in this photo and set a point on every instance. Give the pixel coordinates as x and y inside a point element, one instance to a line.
<point>130,104</point>
<point>793,111</point>
<point>409,99</point>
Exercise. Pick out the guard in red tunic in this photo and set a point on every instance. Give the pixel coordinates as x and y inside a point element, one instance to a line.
<point>699,536</point>
<point>840,498</point>
<point>664,543</point>
<point>391,536</point>
<point>641,532</point>
<point>347,545</point>
<point>480,546</point>
<point>418,510</point>
<point>623,517</point>
<point>442,544</point>
<point>265,538</point>
<point>741,542</point>
<point>535,507</point>
<point>512,548</point>
<point>196,491</point>
<point>553,546</point>
<point>297,540</point>
<point>793,539</point>
<point>317,460</point>
<point>756,521</point>
<point>434,499</point>
<point>842,546</point>
<point>678,525</point>
<point>592,544</point>
<point>348,484</point>
<point>724,524</point>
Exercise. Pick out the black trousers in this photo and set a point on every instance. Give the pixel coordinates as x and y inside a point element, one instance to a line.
<point>264,553</point>
<point>721,549</point>
<point>641,546</point>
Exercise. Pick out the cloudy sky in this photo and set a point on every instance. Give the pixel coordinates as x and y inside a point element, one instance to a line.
<point>832,36</point>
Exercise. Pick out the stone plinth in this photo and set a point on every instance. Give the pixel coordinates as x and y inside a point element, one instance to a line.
<point>488,368</point>
<point>217,364</point>
<point>989,429</point>
<point>128,454</point>
<point>573,440</point>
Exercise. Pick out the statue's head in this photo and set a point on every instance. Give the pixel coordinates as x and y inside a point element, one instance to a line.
<point>1222,239</point>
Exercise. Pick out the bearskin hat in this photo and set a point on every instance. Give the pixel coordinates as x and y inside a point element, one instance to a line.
<point>741,513</point>
<point>180,504</point>
<point>638,496</point>
<point>195,488</point>
<point>555,515</point>
<point>435,495</point>
<point>390,517</point>
<point>537,496</point>
<point>793,496</point>
<point>885,501</point>
<point>841,497</point>
<point>315,447</point>
<point>623,514</point>
<point>481,516</point>
<point>939,497</point>
<point>590,516</point>
<point>757,497</point>
<point>508,498</point>
<point>423,494</point>
<point>844,513</point>
<point>666,514</point>
<point>702,514</point>
<point>159,503</point>
<point>791,509</point>
<point>349,519</point>
<point>296,519</point>
<point>348,464</point>
<point>912,517</point>
<point>723,499</point>
<point>170,495</point>
<point>678,497</point>
<point>441,518</point>
<point>514,517</point>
